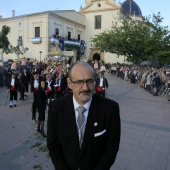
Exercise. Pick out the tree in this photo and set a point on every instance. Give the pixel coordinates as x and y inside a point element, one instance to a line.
<point>5,46</point>
<point>136,40</point>
<point>19,50</point>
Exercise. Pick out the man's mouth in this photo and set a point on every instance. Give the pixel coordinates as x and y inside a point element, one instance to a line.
<point>86,93</point>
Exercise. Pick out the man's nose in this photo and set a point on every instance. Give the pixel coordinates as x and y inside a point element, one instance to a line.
<point>85,87</point>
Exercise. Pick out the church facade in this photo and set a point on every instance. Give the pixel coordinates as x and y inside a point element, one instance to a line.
<point>39,31</point>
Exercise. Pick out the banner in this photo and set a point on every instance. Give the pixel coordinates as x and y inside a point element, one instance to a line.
<point>61,44</point>
<point>82,47</point>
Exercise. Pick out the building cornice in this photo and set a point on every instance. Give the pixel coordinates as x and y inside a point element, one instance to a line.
<point>100,10</point>
<point>48,13</point>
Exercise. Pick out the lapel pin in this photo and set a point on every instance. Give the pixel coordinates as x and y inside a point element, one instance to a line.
<point>95,124</point>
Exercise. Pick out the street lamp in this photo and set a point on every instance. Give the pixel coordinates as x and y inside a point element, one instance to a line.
<point>40,55</point>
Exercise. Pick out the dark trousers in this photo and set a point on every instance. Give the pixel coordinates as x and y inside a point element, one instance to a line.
<point>50,95</point>
<point>100,93</point>
<point>58,93</point>
<point>13,95</point>
<point>22,91</point>
<point>41,115</point>
<point>26,87</point>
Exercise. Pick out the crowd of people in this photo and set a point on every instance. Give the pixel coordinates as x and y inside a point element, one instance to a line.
<point>50,80</point>
<point>153,79</point>
<point>48,77</point>
<point>69,128</point>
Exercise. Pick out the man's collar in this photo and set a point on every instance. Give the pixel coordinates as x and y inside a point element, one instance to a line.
<point>76,105</point>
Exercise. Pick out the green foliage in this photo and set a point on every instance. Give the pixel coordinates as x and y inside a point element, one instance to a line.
<point>137,40</point>
<point>36,145</point>
<point>4,42</point>
<point>19,50</point>
<point>40,147</point>
<point>38,166</point>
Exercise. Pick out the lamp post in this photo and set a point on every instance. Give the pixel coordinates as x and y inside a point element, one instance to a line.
<point>40,55</point>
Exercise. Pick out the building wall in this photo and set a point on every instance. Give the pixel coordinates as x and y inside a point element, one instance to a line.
<point>109,14</point>
<point>25,26</point>
<point>65,20</point>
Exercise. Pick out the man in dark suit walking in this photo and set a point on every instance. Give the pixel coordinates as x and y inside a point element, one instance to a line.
<point>83,131</point>
<point>101,85</point>
<point>25,80</point>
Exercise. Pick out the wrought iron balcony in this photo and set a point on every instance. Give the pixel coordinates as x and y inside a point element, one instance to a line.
<point>36,40</point>
<point>71,42</point>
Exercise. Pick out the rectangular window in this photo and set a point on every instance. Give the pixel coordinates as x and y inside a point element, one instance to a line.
<point>37,31</point>
<point>20,37</point>
<point>57,32</point>
<point>98,21</point>
<point>79,37</point>
<point>20,40</point>
<point>69,35</point>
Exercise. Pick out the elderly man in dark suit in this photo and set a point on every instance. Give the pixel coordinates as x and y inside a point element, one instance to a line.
<point>83,131</point>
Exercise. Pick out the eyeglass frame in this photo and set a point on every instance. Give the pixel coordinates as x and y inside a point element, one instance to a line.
<point>83,81</point>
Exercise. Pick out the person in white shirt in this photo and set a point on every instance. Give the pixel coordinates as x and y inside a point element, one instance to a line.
<point>12,88</point>
<point>101,85</point>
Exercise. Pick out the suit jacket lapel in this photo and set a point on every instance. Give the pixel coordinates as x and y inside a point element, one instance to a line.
<point>71,122</point>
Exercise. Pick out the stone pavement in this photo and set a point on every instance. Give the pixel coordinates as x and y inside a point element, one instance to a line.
<point>145,133</point>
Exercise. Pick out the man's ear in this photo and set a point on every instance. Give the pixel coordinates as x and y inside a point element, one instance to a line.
<point>69,83</point>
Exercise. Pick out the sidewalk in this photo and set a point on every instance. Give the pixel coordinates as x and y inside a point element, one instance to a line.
<point>21,147</point>
<point>145,138</point>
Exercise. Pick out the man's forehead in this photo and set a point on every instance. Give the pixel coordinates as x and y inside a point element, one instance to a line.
<point>81,73</point>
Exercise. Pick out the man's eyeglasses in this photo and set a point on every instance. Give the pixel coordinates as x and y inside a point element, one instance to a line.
<point>80,83</point>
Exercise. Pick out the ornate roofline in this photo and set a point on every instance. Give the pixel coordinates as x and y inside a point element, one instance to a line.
<point>113,7</point>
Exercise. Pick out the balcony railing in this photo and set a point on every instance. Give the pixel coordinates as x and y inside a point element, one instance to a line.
<point>36,40</point>
<point>75,43</point>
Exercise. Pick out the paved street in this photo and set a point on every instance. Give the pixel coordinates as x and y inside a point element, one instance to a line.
<point>145,138</point>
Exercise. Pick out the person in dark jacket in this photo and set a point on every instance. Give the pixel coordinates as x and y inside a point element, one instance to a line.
<point>21,87</point>
<point>83,131</point>
<point>156,84</point>
<point>101,85</point>
<point>12,88</point>
<point>25,80</point>
<point>49,87</point>
<point>40,101</point>
<point>35,84</point>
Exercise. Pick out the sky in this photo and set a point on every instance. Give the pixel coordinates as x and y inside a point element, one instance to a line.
<point>21,7</point>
